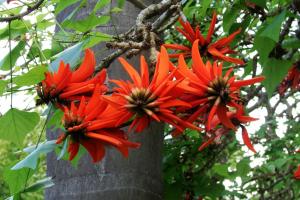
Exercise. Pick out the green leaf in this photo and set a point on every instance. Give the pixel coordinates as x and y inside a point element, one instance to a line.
<point>230,17</point>
<point>63,150</point>
<point>273,29</point>
<point>14,197</point>
<point>291,43</point>
<point>15,124</point>
<point>116,10</point>
<point>18,29</point>
<point>32,77</point>
<point>40,184</point>
<point>3,85</point>
<point>16,179</point>
<point>204,6</point>
<point>274,70</point>
<point>64,4</point>
<point>221,169</point>
<point>264,46</point>
<point>88,23</point>
<point>101,4</point>
<point>15,54</point>
<point>120,3</point>
<point>243,167</point>
<point>173,191</point>
<point>30,161</point>
<point>96,38</point>
<point>70,55</point>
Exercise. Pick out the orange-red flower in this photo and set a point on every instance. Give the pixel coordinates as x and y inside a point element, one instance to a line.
<point>237,118</point>
<point>216,50</point>
<point>297,173</point>
<point>291,80</point>
<point>143,101</point>
<point>88,126</point>
<point>66,85</point>
<point>209,90</point>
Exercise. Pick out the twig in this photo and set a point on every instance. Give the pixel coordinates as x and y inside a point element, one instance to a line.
<point>21,15</point>
<point>137,3</point>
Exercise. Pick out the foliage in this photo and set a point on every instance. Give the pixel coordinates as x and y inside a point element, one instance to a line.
<point>268,43</point>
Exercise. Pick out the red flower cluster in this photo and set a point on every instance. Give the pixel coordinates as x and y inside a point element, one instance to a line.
<point>147,100</point>
<point>66,85</point>
<point>88,126</point>
<point>205,97</point>
<point>216,50</point>
<point>215,97</point>
<point>292,80</point>
<point>80,97</point>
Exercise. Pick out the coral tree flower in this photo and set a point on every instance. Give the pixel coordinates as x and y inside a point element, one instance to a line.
<point>143,101</point>
<point>237,118</point>
<point>216,50</point>
<point>86,125</point>
<point>209,90</point>
<point>291,80</point>
<point>297,173</point>
<point>66,85</point>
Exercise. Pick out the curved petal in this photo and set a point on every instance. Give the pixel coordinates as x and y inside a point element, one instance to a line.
<point>86,69</point>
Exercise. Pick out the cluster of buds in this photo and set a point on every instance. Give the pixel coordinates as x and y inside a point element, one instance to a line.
<point>204,97</point>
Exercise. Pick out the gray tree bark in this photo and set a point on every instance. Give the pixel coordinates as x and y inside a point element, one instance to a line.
<point>137,177</point>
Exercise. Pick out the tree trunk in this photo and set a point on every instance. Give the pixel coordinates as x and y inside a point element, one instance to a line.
<point>137,177</point>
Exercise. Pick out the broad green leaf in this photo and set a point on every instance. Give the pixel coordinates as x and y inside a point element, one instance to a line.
<point>64,4</point>
<point>291,43</point>
<point>221,169</point>
<point>96,38</point>
<point>40,184</point>
<point>18,29</point>
<point>204,6</point>
<point>243,167</point>
<point>88,23</point>
<point>15,54</point>
<point>264,46</point>
<point>30,161</point>
<point>101,4</point>
<point>63,150</point>
<point>230,17</point>
<point>274,70</point>
<point>173,191</point>
<point>15,124</point>
<point>32,77</point>
<point>120,3</point>
<point>273,29</point>
<point>3,85</point>
<point>16,179</point>
<point>70,55</point>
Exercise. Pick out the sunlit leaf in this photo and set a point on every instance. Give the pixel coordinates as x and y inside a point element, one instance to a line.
<point>30,161</point>
<point>15,54</point>
<point>32,77</point>
<point>16,179</point>
<point>70,55</point>
<point>40,184</point>
<point>15,124</point>
<point>274,70</point>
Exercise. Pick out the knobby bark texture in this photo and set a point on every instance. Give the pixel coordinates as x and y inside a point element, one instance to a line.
<point>137,177</point>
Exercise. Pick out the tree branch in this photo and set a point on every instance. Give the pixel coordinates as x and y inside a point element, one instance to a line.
<point>21,15</point>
